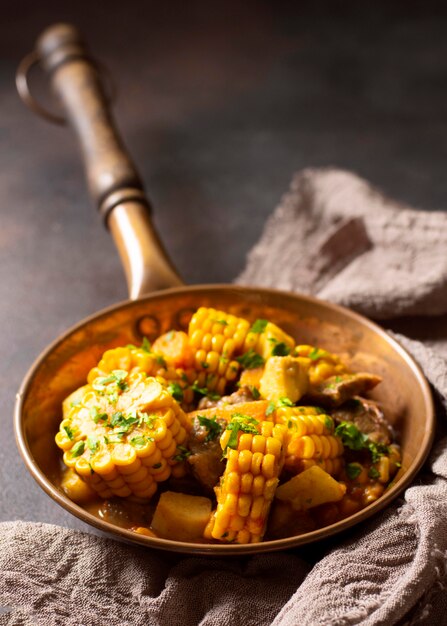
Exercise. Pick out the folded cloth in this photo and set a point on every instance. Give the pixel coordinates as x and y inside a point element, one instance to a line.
<point>335,236</point>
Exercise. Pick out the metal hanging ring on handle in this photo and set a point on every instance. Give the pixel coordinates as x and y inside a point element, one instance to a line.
<point>31,60</point>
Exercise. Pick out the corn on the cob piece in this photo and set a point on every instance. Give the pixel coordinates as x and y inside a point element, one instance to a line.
<point>122,435</point>
<point>322,365</point>
<point>216,337</point>
<point>132,359</point>
<point>255,454</point>
<point>310,439</point>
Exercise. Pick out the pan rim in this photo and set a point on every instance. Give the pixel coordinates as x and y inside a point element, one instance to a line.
<point>225,549</point>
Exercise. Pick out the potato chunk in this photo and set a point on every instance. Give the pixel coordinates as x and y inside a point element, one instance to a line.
<point>311,488</point>
<point>284,377</point>
<point>181,517</point>
<point>264,341</point>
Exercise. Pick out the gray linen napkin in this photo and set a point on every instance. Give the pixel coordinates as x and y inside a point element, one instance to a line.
<point>335,236</point>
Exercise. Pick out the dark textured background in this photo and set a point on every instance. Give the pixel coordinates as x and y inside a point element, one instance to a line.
<point>220,102</point>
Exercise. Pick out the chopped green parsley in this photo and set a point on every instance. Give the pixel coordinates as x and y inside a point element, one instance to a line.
<point>213,427</point>
<point>259,326</point>
<point>176,391</point>
<point>280,349</point>
<point>250,360</point>
<point>77,449</point>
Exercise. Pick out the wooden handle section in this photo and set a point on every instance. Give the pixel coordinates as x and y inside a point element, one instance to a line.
<point>112,177</point>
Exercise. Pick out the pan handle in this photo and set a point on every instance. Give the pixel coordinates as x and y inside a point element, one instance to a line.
<point>113,180</point>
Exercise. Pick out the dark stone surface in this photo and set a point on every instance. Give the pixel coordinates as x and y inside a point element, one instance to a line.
<point>219,104</point>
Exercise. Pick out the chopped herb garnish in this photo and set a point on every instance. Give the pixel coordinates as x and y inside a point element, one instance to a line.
<point>138,442</point>
<point>147,419</point>
<point>183,453</point>
<point>146,345</point>
<point>353,470</point>
<point>377,450</point>
<point>93,444</point>
<point>223,322</point>
<point>96,415</point>
<point>354,439</point>
<point>250,360</point>
<point>351,436</point>
<point>119,420</point>
<point>69,432</point>
<point>203,391</point>
<point>270,408</point>
<point>205,365</point>
<point>240,423</point>
<point>116,376</point>
<point>213,427</point>
<point>157,466</point>
<point>280,349</point>
<point>115,438</point>
<point>282,402</point>
<point>78,449</point>
<point>259,326</point>
<point>176,391</point>
<point>254,392</point>
<point>328,422</point>
<point>314,354</point>
<point>373,472</point>
<point>160,361</point>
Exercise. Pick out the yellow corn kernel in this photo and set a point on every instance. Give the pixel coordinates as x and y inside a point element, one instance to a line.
<point>256,463</point>
<point>258,486</point>
<point>258,444</point>
<point>245,441</point>
<point>124,454</point>
<point>244,505</point>
<point>246,482</point>
<point>269,464</point>
<point>83,467</point>
<point>233,483</point>
<point>244,461</point>
<point>237,523</point>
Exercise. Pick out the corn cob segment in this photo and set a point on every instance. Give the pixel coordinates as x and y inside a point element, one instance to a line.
<point>255,454</point>
<point>310,440</point>
<point>215,338</point>
<point>323,364</point>
<point>122,435</point>
<point>133,360</point>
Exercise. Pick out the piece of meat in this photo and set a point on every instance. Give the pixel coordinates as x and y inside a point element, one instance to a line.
<point>206,454</point>
<point>241,395</point>
<point>368,417</point>
<point>336,390</point>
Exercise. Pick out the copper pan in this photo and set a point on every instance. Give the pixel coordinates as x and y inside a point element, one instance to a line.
<point>159,301</point>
